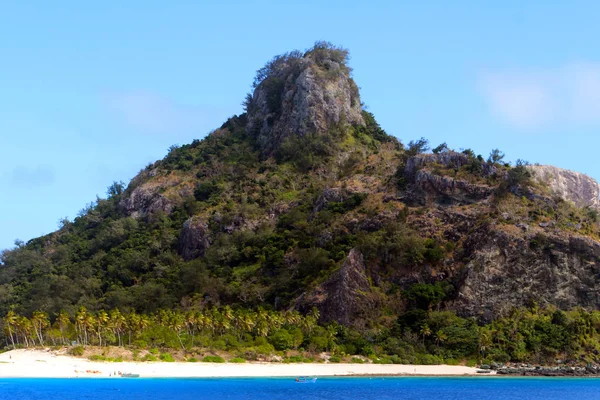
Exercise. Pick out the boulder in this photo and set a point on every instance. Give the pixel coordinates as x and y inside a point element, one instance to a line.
<point>145,200</point>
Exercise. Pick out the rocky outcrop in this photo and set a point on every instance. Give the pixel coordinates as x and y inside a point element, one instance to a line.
<point>447,190</point>
<point>194,238</point>
<point>303,94</point>
<point>329,195</point>
<point>344,295</point>
<point>507,270</point>
<point>446,159</point>
<point>145,200</point>
<point>429,186</point>
<point>576,187</point>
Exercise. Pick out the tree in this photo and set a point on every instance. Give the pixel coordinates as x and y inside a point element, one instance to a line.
<point>425,331</point>
<point>116,189</point>
<point>417,147</point>
<point>11,321</point>
<point>117,322</point>
<point>63,320</point>
<point>81,324</point>
<point>496,157</point>
<point>102,320</point>
<point>442,148</point>
<point>39,322</point>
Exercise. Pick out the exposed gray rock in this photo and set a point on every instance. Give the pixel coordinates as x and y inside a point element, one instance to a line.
<point>344,295</point>
<point>447,159</point>
<point>194,238</point>
<point>329,195</point>
<point>579,188</point>
<point>445,189</point>
<point>144,200</point>
<point>429,186</point>
<point>303,95</point>
<point>508,271</point>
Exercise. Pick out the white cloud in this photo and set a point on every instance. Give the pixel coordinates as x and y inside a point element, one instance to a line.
<point>531,99</point>
<point>155,114</point>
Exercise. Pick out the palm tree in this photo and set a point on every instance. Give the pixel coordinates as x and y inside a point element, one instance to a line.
<point>102,320</point>
<point>11,320</point>
<point>485,340</point>
<point>63,321</point>
<point>133,324</point>
<point>89,323</point>
<point>425,331</point>
<point>440,337</point>
<point>81,324</point>
<point>39,322</point>
<point>25,327</point>
<point>117,321</point>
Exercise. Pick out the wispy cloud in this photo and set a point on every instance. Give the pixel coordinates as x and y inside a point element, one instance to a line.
<point>531,99</point>
<point>156,114</point>
<point>28,177</point>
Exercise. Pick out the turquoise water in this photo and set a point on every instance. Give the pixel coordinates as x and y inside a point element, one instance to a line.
<point>325,388</point>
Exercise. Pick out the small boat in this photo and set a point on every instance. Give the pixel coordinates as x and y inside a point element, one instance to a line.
<point>305,379</point>
<point>127,375</point>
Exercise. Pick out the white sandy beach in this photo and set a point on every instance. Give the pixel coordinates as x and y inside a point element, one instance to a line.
<point>47,364</point>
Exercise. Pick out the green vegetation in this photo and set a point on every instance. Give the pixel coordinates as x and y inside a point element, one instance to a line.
<point>419,335</point>
<point>272,229</point>
<point>213,359</point>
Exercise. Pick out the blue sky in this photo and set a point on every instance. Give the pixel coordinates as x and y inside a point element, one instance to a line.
<point>90,94</point>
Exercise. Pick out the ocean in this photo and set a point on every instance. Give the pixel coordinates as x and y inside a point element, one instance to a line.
<point>480,388</point>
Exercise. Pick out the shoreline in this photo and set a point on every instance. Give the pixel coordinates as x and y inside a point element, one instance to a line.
<point>31,363</point>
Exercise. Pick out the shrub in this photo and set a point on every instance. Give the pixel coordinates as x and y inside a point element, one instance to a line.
<point>383,360</point>
<point>335,359</point>
<point>167,357</point>
<point>154,351</point>
<point>357,360</point>
<point>237,360</point>
<point>213,359</point>
<point>295,359</point>
<point>76,351</point>
<point>193,359</point>
<point>149,357</point>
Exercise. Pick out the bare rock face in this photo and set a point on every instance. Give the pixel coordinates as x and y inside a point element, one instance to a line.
<point>194,238</point>
<point>344,295</point>
<point>444,189</point>
<point>428,186</point>
<point>303,94</point>
<point>144,201</point>
<point>579,188</point>
<point>508,271</point>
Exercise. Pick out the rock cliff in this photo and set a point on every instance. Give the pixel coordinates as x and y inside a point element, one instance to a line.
<point>579,188</point>
<point>344,296</point>
<point>302,94</point>
<point>506,268</point>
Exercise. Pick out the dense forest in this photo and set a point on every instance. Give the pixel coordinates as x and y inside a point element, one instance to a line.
<point>258,240</point>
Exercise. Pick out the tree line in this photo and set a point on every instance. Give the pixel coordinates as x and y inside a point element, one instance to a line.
<point>421,335</point>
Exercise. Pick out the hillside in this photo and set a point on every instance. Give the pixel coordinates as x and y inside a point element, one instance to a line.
<point>305,202</point>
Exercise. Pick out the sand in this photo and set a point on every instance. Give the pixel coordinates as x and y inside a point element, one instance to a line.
<point>49,364</point>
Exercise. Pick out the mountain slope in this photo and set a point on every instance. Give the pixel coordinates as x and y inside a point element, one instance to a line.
<point>304,201</point>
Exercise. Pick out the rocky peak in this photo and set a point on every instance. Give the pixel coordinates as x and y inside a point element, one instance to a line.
<point>300,94</point>
<point>579,188</point>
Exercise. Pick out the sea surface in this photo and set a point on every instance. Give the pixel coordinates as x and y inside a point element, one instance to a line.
<point>480,388</point>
